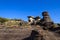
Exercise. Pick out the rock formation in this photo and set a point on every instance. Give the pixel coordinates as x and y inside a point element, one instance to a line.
<point>37,20</point>
<point>30,19</point>
<point>32,32</point>
<point>46,21</point>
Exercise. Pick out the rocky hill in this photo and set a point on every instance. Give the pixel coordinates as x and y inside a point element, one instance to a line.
<point>35,29</point>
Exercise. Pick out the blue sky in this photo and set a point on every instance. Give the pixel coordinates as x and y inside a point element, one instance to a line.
<point>23,8</point>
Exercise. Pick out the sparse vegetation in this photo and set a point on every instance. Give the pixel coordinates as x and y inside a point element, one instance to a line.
<point>2,20</point>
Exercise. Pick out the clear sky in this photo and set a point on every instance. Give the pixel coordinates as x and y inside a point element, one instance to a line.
<point>23,8</point>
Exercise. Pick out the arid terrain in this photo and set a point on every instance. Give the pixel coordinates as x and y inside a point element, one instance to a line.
<point>35,29</point>
<point>28,34</point>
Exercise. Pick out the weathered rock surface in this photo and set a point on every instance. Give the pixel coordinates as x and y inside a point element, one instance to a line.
<point>34,33</point>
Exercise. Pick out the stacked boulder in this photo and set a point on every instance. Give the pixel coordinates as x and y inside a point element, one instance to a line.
<point>46,17</point>
<point>46,20</point>
<point>34,21</point>
<point>30,19</point>
<point>37,20</point>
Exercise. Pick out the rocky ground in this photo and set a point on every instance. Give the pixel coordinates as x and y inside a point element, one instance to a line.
<point>32,33</point>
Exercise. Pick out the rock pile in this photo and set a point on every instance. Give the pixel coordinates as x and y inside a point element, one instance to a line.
<point>45,21</point>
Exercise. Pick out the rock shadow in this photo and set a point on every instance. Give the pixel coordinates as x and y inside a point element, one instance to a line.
<point>34,36</point>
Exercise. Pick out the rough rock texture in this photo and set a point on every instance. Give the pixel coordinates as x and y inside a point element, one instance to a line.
<point>34,33</point>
